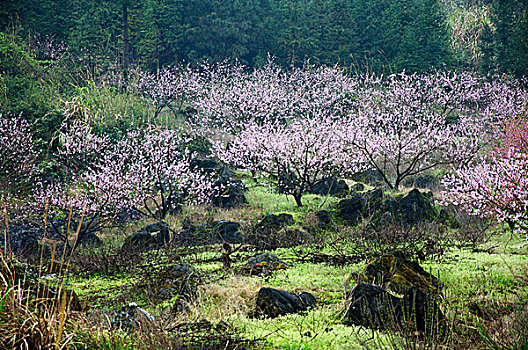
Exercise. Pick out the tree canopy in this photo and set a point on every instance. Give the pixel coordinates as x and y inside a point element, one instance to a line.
<point>153,33</point>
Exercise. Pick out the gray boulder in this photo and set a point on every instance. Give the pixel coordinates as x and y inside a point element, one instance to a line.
<point>356,207</point>
<point>131,317</point>
<point>324,218</point>
<point>25,241</point>
<point>407,210</point>
<point>227,231</point>
<point>90,240</point>
<point>274,222</point>
<point>184,279</point>
<point>373,307</point>
<point>229,192</point>
<point>263,264</point>
<point>412,208</point>
<point>351,209</point>
<point>330,186</point>
<point>149,236</point>
<point>272,232</point>
<point>275,302</point>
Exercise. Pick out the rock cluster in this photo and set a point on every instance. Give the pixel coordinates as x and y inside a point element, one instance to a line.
<point>405,210</point>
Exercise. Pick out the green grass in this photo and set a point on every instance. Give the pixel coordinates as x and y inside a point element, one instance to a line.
<point>270,202</point>
<point>494,277</point>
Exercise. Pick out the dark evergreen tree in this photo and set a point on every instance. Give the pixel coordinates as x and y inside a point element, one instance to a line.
<point>153,33</point>
<point>506,49</point>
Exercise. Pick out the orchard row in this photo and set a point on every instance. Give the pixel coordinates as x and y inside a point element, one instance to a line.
<point>291,128</point>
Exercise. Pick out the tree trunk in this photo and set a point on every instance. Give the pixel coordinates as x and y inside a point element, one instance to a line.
<point>397,184</point>
<point>297,198</point>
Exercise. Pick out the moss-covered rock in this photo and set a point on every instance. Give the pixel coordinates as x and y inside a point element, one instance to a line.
<point>395,273</point>
<point>263,264</point>
<point>374,307</point>
<point>395,292</point>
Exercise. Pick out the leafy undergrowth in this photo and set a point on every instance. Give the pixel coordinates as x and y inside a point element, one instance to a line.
<point>484,293</point>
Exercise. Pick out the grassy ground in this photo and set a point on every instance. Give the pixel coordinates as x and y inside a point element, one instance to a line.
<point>484,294</point>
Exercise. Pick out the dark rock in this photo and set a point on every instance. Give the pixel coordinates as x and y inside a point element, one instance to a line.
<point>395,273</point>
<point>25,241</point>
<point>149,236</point>
<point>274,302</point>
<point>330,186</point>
<point>156,227</point>
<point>413,208</point>
<point>405,210</point>
<point>351,209</point>
<point>374,305</point>
<point>161,229</point>
<point>273,221</point>
<point>168,281</point>
<point>422,313</point>
<point>209,233</point>
<point>184,279</point>
<point>271,233</point>
<point>308,299</point>
<point>358,187</point>
<point>229,192</point>
<point>62,249</point>
<point>131,317</point>
<point>373,201</point>
<point>139,239</point>
<point>208,165</point>
<point>371,306</point>
<point>227,231</point>
<point>163,236</point>
<point>90,240</point>
<point>324,217</point>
